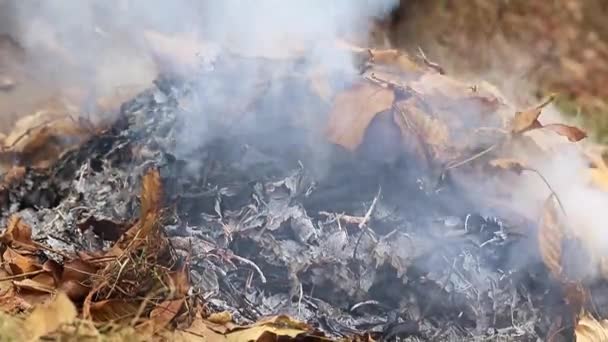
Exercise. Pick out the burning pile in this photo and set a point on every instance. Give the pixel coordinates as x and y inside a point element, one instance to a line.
<point>354,203</point>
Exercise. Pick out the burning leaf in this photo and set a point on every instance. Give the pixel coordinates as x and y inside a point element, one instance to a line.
<point>573,134</point>
<point>589,329</point>
<point>47,319</point>
<point>509,164</point>
<point>353,111</point>
<point>550,237</point>
<point>528,119</point>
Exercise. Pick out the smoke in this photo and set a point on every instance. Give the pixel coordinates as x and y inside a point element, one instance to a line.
<point>99,46</point>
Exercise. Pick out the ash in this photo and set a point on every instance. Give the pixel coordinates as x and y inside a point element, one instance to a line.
<point>348,243</point>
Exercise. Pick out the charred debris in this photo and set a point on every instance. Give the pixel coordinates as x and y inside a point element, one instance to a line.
<point>365,205</point>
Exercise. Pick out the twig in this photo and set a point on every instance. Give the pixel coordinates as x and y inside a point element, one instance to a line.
<point>252,264</point>
<point>470,159</point>
<point>371,209</point>
<point>17,276</point>
<point>430,64</point>
<point>561,206</point>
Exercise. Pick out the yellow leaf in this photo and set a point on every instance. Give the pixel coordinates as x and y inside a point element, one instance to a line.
<point>47,319</point>
<point>353,111</point>
<point>589,329</point>
<point>550,236</point>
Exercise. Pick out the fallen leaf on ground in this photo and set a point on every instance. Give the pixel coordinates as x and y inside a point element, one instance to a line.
<point>32,285</point>
<point>48,318</point>
<point>589,329</point>
<point>220,317</point>
<point>114,310</point>
<point>573,134</point>
<point>550,237</point>
<point>164,313</point>
<point>19,264</point>
<point>18,231</point>
<point>272,329</point>
<point>528,119</point>
<point>353,110</point>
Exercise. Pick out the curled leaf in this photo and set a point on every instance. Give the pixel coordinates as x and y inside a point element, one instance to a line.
<point>589,329</point>
<point>527,120</point>
<point>353,111</point>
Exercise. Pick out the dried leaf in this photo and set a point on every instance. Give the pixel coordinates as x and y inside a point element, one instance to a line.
<point>589,329</point>
<point>151,193</point>
<point>164,313</point>
<point>197,331</point>
<point>550,237</point>
<point>528,119</point>
<point>32,285</point>
<point>20,232</point>
<point>114,310</point>
<point>220,317</point>
<point>509,164</point>
<point>19,264</point>
<point>47,319</point>
<point>353,111</point>
<point>270,330</point>
<point>573,134</point>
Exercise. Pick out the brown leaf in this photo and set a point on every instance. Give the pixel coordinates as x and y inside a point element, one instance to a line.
<point>197,331</point>
<point>47,319</point>
<point>509,164</point>
<point>19,264</point>
<point>32,285</point>
<point>164,313</point>
<point>114,310</point>
<point>151,193</point>
<point>589,329</point>
<point>76,278</point>
<point>20,232</point>
<point>528,119</point>
<point>353,111</point>
<point>573,134</point>
<point>550,237</point>
<point>270,329</point>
